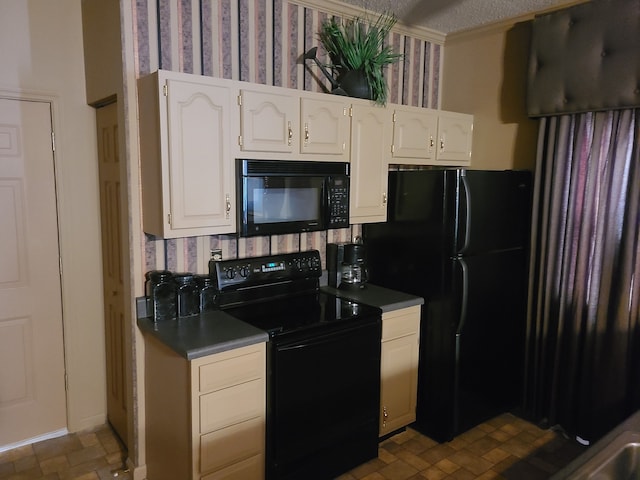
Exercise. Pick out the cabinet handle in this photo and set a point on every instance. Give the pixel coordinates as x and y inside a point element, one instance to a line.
<point>385,415</point>
<point>442,144</point>
<point>431,142</point>
<point>384,198</point>
<point>228,201</point>
<point>290,133</point>
<point>306,133</point>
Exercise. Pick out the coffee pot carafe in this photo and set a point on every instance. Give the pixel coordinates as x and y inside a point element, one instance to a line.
<point>354,274</point>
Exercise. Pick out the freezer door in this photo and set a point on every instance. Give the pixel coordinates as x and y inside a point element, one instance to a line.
<point>493,210</point>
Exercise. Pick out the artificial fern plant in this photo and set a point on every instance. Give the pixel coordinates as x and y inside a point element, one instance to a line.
<point>358,44</point>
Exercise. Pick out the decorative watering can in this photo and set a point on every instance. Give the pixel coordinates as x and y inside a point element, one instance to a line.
<point>352,83</point>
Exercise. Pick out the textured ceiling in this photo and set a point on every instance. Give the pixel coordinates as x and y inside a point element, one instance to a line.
<point>450,16</point>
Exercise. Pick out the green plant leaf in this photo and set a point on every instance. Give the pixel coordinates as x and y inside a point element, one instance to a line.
<point>359,44</point>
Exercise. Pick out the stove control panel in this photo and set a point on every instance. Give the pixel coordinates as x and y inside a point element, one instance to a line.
<point>245,272</point>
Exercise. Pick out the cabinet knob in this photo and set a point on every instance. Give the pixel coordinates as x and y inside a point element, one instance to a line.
<point>306,133</point>
<point>385,415</point>
<point>228,202</point>
<point>290,133</point>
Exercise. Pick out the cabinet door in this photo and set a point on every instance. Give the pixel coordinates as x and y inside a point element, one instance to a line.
<point>324,127</point>
<point>370,152</point>
<point>226,447</point>
<point>250,469</point>
<point>186,123</point>
<point>228,401</point>
<point>399,368</point>
<point>398,387</point>
<point>200,170</point>
<point>414,135</point>
<point>268,122</point>
<point>455,132</point>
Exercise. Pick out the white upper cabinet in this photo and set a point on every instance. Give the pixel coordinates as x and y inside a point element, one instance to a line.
<point>431,137</point>
<point>325,126</point>
<point>370,152</point>
<point>414,133</point>
<point>269,120</point>
<point>455,133</point>
<point>193,127</point>
<point>187,168</point>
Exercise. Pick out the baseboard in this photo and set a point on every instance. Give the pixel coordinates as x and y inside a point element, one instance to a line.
<point>39,438</point>
<point>137,473</point>
<point>86,423</point>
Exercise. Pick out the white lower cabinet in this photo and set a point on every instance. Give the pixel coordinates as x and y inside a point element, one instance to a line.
<point>205,418</point>
<point>399,368</point>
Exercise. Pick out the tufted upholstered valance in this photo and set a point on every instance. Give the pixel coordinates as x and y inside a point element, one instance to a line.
<point>585,58</point>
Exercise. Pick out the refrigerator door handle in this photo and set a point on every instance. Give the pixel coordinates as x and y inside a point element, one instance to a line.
<point>467,219</point>
<point>465,295</point>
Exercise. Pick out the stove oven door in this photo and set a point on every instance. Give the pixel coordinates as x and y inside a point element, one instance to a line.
<point>323,403</point>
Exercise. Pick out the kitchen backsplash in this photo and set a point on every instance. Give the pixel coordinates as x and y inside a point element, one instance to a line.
<point>192,254</point>
<point>259,41</point>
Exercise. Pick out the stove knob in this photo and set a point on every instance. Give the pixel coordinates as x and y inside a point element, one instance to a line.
<point>230,273</point>
<point>244,271</point>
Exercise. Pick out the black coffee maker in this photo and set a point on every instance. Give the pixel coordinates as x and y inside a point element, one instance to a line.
<point>346,265</point>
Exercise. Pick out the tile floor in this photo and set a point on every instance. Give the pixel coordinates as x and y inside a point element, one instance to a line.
<point>505,447</point>
<point>89,455</point>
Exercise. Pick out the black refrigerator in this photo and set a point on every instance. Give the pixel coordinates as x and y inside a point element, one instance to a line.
<point>458,238</point>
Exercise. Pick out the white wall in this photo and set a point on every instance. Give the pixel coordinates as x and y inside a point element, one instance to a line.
<point>484,73</point>
<point>41,53</point>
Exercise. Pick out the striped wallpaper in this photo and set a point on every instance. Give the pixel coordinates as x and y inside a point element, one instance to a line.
<point>259,41</point>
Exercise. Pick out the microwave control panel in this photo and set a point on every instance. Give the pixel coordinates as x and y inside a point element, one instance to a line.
<point>338,193</point>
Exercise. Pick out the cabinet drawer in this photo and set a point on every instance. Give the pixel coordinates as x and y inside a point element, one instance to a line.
<point>249,469</point>
<point>400,323</point>
<point>231,371</point>
<point>231,405</point>
<point>232,444</point>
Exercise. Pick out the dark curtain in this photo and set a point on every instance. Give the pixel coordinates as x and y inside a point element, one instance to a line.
<point>583,332</point>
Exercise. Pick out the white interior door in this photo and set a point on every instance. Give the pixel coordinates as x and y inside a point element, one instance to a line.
<point>32,385</point>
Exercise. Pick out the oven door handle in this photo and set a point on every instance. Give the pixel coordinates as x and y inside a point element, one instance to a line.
<point>312,341</point>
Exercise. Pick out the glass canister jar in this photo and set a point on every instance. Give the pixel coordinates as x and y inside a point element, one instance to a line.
<point>188,295</point>
<point>161,295</point>
<point>207,293</point>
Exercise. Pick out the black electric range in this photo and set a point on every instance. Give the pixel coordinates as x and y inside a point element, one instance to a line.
<point>280,294</point>
<point>323,364</point>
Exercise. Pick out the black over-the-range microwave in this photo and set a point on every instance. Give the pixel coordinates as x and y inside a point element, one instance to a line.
<point>287,196</point>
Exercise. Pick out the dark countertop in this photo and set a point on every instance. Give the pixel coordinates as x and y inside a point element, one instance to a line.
<point>216,331</point>
<point>575,471</point>
<point>204,334</point>
<point>385,299</point>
